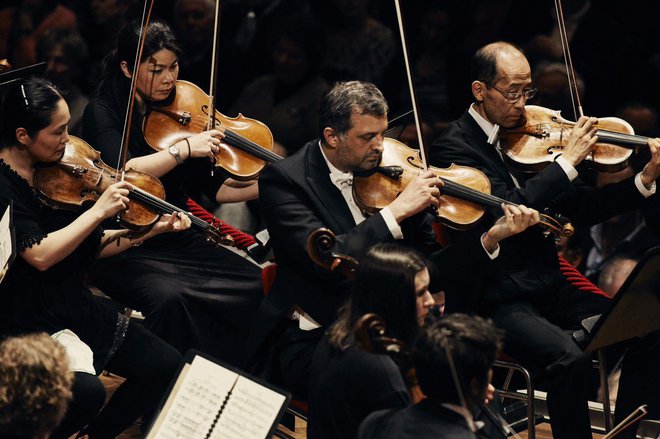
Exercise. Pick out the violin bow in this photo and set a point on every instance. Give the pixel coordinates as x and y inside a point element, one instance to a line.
<point>568,61</point>
<point>214,72</point>
<point>415,108</point>
<point>422,152</point>
<point>126,135</point>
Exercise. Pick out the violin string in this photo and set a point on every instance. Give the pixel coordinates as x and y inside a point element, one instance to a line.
<point>471,194</point>
<point>481,198</point>
<point>243,143</point>
<point>163,206</point>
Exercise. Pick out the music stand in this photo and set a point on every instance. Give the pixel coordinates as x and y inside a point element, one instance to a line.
<point>633,313</point>
<point>635,309</point>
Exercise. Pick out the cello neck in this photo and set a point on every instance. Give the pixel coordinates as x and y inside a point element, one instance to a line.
<point>631,141</point>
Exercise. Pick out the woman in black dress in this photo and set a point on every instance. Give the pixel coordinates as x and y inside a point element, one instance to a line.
<point>44,290</point>
<point>192,294</point>
<point>347,384</point>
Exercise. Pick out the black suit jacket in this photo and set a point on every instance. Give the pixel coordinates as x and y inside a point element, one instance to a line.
<point>528,260</point>
<point>420,421</point>
<point>297,197</point>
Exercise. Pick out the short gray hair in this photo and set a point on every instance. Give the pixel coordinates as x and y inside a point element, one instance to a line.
<point>345,97</point>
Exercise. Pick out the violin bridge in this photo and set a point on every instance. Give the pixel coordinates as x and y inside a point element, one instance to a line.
<point>541,131</point>
<point>185,118</point>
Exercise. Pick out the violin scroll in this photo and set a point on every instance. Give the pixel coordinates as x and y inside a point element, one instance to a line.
<point>216,238</point>
<point>320,245</point>
<point>5,66</point>
<point>371,336</point>
<point>370,332</point>
<point>556,224</point>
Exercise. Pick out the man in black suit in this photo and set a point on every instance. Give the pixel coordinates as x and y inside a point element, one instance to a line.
<point>313,189</point>
<point>466,344</point>
<point>525,293</point>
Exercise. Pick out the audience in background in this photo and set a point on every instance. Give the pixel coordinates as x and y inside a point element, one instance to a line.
<point>65,54</point>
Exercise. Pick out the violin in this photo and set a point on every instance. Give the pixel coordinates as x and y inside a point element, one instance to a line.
<point>463,198</point>
<point>543,134</point>
<point>80,177</point>
<point>247,145</point>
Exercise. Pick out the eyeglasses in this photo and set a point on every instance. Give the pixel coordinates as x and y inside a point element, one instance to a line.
<point>514,96</point>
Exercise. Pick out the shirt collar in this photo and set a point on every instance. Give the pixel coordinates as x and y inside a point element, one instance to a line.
<point>335,173</point>
<point>488,128</point>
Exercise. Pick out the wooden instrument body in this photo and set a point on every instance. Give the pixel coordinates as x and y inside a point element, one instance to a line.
<point>188,114</point>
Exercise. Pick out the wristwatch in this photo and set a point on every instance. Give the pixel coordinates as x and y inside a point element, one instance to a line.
<point>176,153</point>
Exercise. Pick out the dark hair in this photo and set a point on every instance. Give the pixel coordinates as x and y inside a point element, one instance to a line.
<point>384,284</point>
<point>73,45</point>
<point>474,343</point>
<point>159,36</point>
<point>29,104</point>
<point>483,66</point>
<point>345,97</point>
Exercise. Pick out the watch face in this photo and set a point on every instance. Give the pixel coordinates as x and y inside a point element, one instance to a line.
<point>174,150</point>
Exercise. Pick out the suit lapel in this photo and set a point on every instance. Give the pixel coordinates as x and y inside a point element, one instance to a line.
<point>327,194</point>
<point>476,137</point>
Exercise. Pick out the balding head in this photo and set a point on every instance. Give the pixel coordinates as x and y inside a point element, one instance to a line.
<point>488,61</point>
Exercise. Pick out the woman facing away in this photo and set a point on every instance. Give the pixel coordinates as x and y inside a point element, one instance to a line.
<point>45,288</point>
<point>193,295</point>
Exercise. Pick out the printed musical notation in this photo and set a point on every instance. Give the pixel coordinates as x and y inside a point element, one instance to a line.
<point>212,401</point>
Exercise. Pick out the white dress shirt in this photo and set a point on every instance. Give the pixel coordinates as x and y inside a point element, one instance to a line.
<point>344,182</point>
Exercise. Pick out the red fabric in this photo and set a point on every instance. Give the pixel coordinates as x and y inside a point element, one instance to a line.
<point>241,240</point>
<point>301,406</point>
<point>577,279</point>
<point>268,277</point>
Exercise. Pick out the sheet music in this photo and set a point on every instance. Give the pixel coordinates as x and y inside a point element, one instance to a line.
<point>6,248</point>
<point>250,411</point>
<point>195,405</point>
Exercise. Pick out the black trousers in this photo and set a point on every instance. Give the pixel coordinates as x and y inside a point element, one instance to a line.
<point>88,398</point>
<point>539,336</point>
<point>147,363</point>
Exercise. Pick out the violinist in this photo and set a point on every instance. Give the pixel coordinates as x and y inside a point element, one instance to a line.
<point>313,189</point>
<point>474,344</point>
<point>526,294</point>
<point>44,291</point>
<point>193,294</point>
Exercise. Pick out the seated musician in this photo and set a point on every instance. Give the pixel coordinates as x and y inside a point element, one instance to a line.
<point>193,294</point>
<point>313,189</point>
<point>348,383</point>
<point>44,290</point>
<point>473,344</point>
<point>526,294</point>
